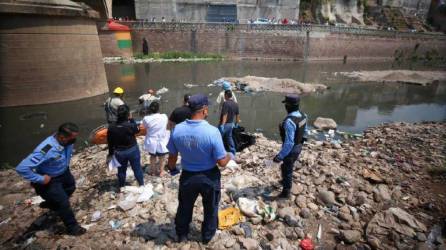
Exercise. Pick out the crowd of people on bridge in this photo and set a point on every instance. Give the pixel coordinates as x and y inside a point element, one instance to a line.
<point>203,148</point>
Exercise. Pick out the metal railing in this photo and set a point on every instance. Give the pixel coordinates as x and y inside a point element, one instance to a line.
<point>218,27</point>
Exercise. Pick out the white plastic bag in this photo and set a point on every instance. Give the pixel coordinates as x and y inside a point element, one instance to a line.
<point>114,163</point>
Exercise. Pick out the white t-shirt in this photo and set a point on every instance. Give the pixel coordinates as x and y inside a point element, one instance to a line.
<point>221,98</point>
<point>157,135</point>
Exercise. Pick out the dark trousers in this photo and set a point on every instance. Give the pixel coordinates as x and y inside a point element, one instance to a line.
<point>207,184</point>
<point>133,156</point>
<point>57,194</point>
<point>288,165</point>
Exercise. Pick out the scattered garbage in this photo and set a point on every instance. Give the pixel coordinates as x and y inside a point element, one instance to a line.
<point>162,90</point>
<point>352,207</point>
<point>115,224</point>
<point>96,216</point>
<point>248,207</point>
<point>306,244</point>
<point>189,85</point>
<point>35,200</point>
<point>229,217</point>
<point>142,194</point>
<point>255,84</point>
<point>5,221</point>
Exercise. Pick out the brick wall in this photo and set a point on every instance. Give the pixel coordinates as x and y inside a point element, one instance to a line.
<point>109,45</point>
<point>282,44</point>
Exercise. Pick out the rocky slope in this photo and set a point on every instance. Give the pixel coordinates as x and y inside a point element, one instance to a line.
<point>372,192</point>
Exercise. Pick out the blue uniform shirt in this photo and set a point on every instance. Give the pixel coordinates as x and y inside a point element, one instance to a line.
<point>48,158</point>
<point>199,143</point>
<point>290,129</point>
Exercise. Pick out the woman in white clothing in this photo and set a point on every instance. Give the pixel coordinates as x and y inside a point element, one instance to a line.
<point>157,137</point>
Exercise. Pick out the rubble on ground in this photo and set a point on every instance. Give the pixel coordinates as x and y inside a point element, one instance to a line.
<point>284,85</point>
<point>368,193</point>
<point>398,76</point>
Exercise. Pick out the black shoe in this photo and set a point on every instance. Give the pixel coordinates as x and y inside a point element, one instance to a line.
<point>76,230</point>
<point>182,238</point>
<point>285,194</point>
<point>46,205</point>
<point>205,242</point>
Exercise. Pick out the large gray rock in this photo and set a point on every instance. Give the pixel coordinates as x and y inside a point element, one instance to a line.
<point>394,220</point>
<point>249,244</point>
<point>327,197</point>
<point>350,236</point>
<point>324,123</point>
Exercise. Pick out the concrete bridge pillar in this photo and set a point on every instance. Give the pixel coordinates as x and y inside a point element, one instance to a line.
<point>49,52</point>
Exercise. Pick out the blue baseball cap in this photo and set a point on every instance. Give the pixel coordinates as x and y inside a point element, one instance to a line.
<point>198,101</point>
<point>226,85</point>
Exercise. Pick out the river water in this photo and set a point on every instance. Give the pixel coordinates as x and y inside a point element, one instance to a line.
<point>354,106</point>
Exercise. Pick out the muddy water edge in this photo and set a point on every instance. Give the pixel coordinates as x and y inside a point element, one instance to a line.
<point>353,105</point>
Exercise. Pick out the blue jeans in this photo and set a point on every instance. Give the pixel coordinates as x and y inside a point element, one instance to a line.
<point>228,141</point>
<point>133,156</point>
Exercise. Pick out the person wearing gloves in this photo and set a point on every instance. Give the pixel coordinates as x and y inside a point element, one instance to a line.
<point>229,118</point>
<point>292,132</point>
<point>47,168</point>
<point>157,137</point>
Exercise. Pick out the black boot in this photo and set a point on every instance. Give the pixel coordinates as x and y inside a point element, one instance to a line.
<point>47,204</point>
<point>181,238</point>
<point>76,230</point>
<point>285,194</point>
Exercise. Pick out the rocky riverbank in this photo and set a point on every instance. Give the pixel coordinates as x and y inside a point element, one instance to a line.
<point>374,192</point>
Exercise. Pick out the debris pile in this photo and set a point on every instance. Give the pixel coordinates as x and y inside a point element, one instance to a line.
<point>398,76</point>
<point>285,85</point>
<point>372,192</point>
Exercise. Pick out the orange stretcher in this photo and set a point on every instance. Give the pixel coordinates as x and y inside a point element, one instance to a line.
<point>99,135</point>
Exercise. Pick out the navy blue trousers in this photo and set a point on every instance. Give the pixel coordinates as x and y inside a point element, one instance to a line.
<point>133,156</point>
<point>207,184</point>
<point>288,165</point>
<point>57,194</point>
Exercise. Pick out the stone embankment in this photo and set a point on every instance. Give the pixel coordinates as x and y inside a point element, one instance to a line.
<point>373,192</point>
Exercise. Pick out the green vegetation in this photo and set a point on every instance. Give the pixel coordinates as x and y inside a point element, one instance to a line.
<point>177,55</point>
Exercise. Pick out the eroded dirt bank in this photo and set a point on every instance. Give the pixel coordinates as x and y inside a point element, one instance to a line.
<point>373,192</point>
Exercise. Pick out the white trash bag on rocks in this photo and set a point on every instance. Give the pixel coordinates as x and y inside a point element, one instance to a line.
<point>143,193</point>
<point>248,207</point>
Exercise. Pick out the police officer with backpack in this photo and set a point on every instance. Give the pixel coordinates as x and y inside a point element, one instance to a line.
<point>292,131</point>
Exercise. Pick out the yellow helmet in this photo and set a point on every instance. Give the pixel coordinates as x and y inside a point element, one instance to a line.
<point>118,90</point>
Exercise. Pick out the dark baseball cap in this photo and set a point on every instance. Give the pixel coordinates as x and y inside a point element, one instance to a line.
<point>292,99</point>
<point>198,101</point>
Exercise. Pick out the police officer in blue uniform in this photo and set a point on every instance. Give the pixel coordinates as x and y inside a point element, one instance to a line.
<point>292,132</point>
<point>201,148</point>
<point>47,168</point>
